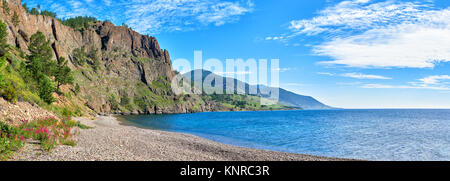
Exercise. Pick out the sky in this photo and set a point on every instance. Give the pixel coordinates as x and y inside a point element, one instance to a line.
<point>345,53</point>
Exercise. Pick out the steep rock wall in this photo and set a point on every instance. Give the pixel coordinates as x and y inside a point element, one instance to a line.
<point>131,64</point>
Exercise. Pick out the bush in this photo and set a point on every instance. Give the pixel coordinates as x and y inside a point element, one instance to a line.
<point>46,89</point>
<point>11,139</point>
<point>77,89</point>
<point>66,112</point>
<point>80,56</point>
<point>124,100</point>
<point>114,104</point>
<point>68,142</point>
<point>9,93</point>
<point>3,34</point>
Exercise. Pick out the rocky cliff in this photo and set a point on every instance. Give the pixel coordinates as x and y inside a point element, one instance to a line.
<point>133,74</point>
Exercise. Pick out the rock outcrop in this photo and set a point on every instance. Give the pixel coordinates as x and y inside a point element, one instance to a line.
<point>130,64</point>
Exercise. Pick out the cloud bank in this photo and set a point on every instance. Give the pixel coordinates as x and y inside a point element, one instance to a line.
<point>153,16</point>
<point>374,34</point>
<point>435,82</point>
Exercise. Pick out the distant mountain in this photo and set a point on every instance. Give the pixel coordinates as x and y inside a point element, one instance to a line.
<point>306,102</point>
<point>286,97</point>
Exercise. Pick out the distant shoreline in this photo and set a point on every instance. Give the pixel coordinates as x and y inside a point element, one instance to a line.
<point>110,140</point>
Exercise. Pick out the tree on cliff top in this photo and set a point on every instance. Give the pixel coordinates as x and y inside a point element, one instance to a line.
<point>34,11</point>
<point>24,5</point>
<point>79,23</point>
<point>48,13</point>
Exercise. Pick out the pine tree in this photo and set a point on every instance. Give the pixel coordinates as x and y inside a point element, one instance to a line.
<point>40,58</point>
<point>46,89</point>
<point>63,73</point>
<point>5,7</point>
<point>94,60</point>
<point>77,89</point>
<point>3,34</point>
<point>34,11</point>
<point>15,19</point>
<point>24,5</point>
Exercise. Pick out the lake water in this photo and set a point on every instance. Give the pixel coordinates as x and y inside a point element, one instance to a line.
<point>360,134</point>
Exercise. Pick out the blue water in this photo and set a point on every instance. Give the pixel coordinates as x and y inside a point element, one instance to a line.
<point>360,134</point>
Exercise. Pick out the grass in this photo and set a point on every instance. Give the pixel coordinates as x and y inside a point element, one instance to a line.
<point>50,133</point>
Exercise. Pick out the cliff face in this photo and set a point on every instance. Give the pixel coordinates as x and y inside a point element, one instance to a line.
<point>132,66</point>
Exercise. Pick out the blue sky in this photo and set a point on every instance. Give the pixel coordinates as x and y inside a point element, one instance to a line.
<point>349,54</point>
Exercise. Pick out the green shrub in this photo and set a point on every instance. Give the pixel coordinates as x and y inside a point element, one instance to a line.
<point>68,142</point>
<point>3,34</point>
<point>80,56</point>
<point>46,89</point>
<point>77,89</point>
<point>113,102</point>
<point>9,93</point>
<point>5,7</point>
<point>48,144</point>
<point>124,100</point>
<point>66,112</point>
<point>82,126</point>
<point>10,140</point>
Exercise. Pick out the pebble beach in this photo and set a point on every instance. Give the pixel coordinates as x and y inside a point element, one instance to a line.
<point>108,140</point>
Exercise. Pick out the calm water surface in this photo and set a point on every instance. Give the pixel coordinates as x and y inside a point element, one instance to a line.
<point>361,134</point>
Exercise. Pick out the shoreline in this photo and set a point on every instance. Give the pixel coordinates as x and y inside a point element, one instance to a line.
<point>109,140</point>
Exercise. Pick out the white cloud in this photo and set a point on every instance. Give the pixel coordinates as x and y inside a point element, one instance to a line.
<point>233,73</point>
<point>363,76</point>
<point>325,73</point>
<point>179,15</point>
<point>362,33</point>
<point>154,16</point>
<point>355,75</point>
<point>356,15</point>
<point>293,84</point>
<point>281,70</point>
<point>436,82</point>
<point>383,86</point>
<point>436,79</point>
<point>221,13</point>
<point>412,46</point>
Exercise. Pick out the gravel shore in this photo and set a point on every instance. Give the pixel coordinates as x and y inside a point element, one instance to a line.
<point>109,140</point>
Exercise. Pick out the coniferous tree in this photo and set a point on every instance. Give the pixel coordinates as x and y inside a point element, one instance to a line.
<point>79,23</point>
<point>40,58</point>
<point>34,11</point>
<point>24,5</point>
<point>94,60</point>
<point>5,7</point>
<point>46,89</point>
<point>15,19</point>
<point>63,73</point>
<point>3,41</point>
<point>80,56</point>
<point>77,89</point>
